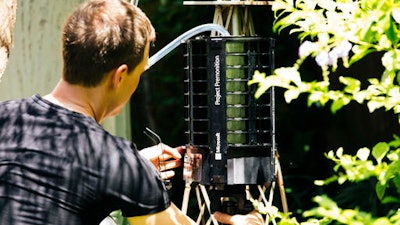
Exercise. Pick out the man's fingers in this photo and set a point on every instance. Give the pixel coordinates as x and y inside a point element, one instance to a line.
<point>253,218</point>
<point>170,164</point>
<point>175,153</point>
<point>223,218</point>
<point>167,174</point>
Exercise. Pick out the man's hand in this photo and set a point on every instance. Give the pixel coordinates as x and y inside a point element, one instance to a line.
<point>253,218</point>
<point>164,158</point>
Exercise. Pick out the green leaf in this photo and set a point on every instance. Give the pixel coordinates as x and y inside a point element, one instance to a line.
<point>291,94</point>
<point>382,221</point>
<point>289,74</point>
<point>336,105</point>
<point>395,143</point>
<point>370,32</point>
<point>390,199</point>
<point>373,105</point>
<point>391,32</point>
<point>352,84</point>
<point>374,81</point>
<point>380,150</point>
<point>387,78</point>
<point>396,181</point>
<point>392,173</point>
<point>261,90</point>
<point>359,53</point>
<point>380,190</point>
<point>325,202</point>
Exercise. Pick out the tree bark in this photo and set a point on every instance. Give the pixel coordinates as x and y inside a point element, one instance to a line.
<point>8,12</point>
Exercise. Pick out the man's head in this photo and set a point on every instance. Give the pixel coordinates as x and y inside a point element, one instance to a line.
<point>101,35</point>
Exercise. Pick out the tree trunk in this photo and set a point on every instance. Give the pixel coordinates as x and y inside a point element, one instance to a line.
<point>8,12</point>
<point>35,61</point>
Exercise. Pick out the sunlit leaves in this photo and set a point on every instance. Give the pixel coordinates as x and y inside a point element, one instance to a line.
<point>329,211</point>
<point>340,33</point>
<point>390,60</point>
<point>379,151</point>
<point>352,85</point>
<point>343,32</point>
<point>381,163</point>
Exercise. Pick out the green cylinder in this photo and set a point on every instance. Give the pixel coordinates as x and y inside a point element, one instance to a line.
<point>236,112</point>
<point>235,99</point>
<point>238,73</point>
<point>235,86</point>
<point>235,138</point>
<point>236,125</point>
<point>232,86</point>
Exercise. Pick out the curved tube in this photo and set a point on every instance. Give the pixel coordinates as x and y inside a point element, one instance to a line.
<point>188,34</point>
<point>134,2</point>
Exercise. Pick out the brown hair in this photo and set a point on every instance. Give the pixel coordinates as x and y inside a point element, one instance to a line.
<point>99,36</point>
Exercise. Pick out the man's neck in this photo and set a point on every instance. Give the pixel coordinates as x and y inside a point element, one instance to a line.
<point>79,99</point>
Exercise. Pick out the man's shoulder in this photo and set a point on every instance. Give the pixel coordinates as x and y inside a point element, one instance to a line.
<point>16,102</point>
<point>14,107</point>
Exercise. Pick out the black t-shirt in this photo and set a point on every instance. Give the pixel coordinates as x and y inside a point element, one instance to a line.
<point>61,167</point>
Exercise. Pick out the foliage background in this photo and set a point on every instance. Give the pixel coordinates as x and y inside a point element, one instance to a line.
<point>304,133</point>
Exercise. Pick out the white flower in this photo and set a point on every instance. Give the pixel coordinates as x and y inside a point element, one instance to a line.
<point>306,49</point>
<point>332,57</point>
<point>322,59</point>
<point>327,4</point>
<point>342,50</point>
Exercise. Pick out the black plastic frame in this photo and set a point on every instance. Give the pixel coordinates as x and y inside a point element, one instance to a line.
<point>207,60</point>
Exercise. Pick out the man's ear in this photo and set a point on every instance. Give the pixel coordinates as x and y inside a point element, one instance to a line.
<point>119,75</point>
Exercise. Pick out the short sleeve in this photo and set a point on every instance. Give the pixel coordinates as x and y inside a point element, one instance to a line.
<point>133,185</point>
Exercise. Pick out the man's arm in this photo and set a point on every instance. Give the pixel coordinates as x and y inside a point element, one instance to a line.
<point>172,215</point>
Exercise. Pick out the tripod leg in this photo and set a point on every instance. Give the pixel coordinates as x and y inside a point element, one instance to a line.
<point>185,201</point>
<point>281,186</point>
<point>208,203</point>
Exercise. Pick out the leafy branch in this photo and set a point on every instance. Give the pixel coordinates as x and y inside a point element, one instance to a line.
<point>339,32</point>
<point>334,33</point>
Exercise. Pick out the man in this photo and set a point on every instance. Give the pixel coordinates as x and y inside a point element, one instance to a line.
<point>57,164</point>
